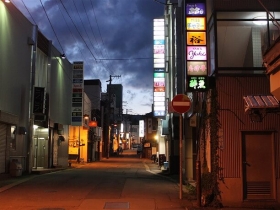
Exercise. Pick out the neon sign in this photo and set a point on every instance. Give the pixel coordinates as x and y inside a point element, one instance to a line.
<point>159,69</point>
<point>196,46</point>
<point>195,23</point>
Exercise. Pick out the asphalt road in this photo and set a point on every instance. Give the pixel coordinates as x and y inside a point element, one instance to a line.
<point>122,183</point>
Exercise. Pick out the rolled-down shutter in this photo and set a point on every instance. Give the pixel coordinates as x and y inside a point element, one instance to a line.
<point>3,130</point>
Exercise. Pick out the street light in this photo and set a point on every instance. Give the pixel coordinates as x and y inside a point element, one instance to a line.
<point>63,56</point>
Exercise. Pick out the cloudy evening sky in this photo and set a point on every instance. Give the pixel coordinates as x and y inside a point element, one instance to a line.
<point>112,37</point>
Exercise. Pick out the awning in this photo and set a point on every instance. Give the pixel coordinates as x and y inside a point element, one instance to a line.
<point>268,102</point>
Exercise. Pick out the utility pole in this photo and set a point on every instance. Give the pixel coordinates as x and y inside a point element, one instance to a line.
<point>109,112</point>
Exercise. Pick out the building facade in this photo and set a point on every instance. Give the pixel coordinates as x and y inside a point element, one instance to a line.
<point>236,147</point>
<point>34,129</point>
<point>239,34</point>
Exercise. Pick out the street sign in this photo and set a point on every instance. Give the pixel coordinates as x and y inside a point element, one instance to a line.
<point>181,103</point>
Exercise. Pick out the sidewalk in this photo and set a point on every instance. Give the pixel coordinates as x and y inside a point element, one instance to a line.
<point>190,200</point>
<point>8,181</point>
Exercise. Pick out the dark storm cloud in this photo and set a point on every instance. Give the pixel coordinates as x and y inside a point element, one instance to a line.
<point>112,37</point>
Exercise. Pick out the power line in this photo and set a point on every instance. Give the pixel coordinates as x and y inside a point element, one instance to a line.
<point>68,27</point>
<point>28,12</point>
<point>100,34</point>
<point>122,59</point>
<point>83,25</point>
<point>52,26</point>
<point>77,30</point>
<point>97,43</point>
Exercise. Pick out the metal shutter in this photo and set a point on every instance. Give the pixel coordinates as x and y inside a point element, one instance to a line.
<point>3,129</point>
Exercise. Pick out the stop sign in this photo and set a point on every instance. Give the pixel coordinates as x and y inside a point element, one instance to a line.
<point>181,103</point>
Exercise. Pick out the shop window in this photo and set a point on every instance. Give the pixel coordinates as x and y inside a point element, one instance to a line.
<point>243,38</point>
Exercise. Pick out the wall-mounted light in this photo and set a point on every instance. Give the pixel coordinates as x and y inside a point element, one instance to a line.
<point>63,56</point>
<point>259,21</point>
<point>7,1</point>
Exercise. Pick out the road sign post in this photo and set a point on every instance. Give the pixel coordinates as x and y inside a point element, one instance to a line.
<point>181,104</point>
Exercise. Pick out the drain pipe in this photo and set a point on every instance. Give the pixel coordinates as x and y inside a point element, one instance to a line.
<point>33,43</point>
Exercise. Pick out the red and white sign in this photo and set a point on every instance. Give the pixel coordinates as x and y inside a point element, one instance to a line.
<point>181,103</point>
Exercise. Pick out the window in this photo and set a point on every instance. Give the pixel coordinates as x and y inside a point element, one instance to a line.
<point>243,37</point>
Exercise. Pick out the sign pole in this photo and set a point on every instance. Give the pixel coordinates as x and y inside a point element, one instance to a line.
<point>181,104</point>
<point>181,147</point>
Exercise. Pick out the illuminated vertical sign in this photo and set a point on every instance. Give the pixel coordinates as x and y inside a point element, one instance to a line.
<point>77,93</point>
<point>159,69</point>
<point>196,23</point>
<point>196,9</point>
<point>141,128</point>
<point>196,46</point>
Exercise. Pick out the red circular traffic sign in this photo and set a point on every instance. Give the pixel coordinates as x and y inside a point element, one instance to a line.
<point>181,103</point>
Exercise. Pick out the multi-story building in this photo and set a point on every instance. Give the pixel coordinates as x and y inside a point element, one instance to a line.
<point>229,134</point>
<point>93,89</point>
<point>33,127</point>
<point>36,106</point>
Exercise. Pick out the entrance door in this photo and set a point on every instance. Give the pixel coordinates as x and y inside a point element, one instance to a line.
<point>40,152</point>
<point>258,170</point>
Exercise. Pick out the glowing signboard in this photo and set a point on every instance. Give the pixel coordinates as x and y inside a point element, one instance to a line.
<point>196,38</point>
<point>141,128</point>
<point>195,23</point>
<point>77,93</point>
<point>197,83</point>
<point>159,43</point>
<point>196,53</point>
<point>158,75</point>
<point>195,9</point>
<point>159,69</point>
<point>196,46</point>
<point>197,68</point>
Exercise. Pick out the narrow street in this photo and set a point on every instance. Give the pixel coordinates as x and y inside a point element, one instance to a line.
<point>123,182</point>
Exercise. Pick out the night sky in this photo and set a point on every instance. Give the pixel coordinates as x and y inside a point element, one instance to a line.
<point>112,37</point>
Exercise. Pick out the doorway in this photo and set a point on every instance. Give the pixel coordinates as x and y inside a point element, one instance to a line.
<point>258,162</point>
<point>40,148</point>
